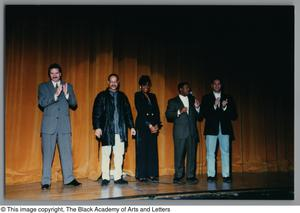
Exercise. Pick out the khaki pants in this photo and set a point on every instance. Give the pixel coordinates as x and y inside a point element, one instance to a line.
<point>118,150</point>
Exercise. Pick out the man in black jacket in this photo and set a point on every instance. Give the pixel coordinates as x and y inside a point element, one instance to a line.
<point>111,118</point>
<point>184,111</point>
<point>218,109</point>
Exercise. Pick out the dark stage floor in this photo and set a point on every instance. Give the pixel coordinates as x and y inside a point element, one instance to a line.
<point>245,186</point>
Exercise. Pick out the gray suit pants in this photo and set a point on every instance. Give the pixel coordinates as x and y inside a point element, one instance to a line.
<point>185,147</point>
<point>65,153</point>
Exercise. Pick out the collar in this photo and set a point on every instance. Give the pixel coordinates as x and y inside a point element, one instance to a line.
<point>113,93</point>
<point>184,97</point>
<point>217,94</point>
<point>54,83</point>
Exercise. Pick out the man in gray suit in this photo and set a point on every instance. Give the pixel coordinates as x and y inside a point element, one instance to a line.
<point>55,97</point>
<point>184,111</point>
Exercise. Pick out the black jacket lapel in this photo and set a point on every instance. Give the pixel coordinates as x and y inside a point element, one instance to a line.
<point>180,103</point>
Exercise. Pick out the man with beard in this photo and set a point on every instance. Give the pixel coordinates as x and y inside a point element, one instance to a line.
<point>184,111</point>
<point>111,118</point>
<point>218,109</point>
<point>55,97</point>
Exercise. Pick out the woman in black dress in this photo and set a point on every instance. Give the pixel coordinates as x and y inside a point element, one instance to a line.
<point>147,126</point>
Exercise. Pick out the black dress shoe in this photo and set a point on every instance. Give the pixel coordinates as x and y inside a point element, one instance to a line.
<point>104,182</point>
<point>178,181</point>
<point>142,179</point>
<point>227,179</point>
<point>45,186</point>
<point>154,179</point>
<point>211,179</point>
<point>192,180</point>
<point>73,183</point>
<point>121,181</point>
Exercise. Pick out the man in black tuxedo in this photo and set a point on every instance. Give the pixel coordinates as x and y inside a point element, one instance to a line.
<point>218,109</point>
<point>184,111</point>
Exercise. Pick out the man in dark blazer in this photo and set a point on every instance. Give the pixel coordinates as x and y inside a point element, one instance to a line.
<point>218,109</point>
<point>55,97</point>
<point>184,111</point>
<point>111,119</point>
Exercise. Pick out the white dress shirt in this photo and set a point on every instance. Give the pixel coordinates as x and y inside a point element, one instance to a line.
<point>185,101</point>
<point>217,94</point>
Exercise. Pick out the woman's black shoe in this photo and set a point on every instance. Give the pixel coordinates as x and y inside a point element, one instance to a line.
<point>154,179</point>
<point>142,179</point>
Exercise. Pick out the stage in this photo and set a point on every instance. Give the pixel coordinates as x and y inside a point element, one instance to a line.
<point>245,186</point>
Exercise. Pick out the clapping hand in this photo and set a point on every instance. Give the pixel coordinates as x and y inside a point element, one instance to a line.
<point>224,103</point>
<point>217,103</point>
<point>65,88</point>
<point>58,90</point>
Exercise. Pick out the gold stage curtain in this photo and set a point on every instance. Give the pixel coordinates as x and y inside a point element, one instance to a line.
<point>89,48</point>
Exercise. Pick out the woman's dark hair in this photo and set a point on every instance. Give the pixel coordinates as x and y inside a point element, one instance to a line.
<point>144,80</point>
<point>54,66</point>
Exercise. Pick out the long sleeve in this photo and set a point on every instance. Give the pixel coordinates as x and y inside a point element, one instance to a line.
<point>72,98</point>
<point>171,112</point>
<point>44,98</point>
<point>206,108</point>
<point>128,114</point>
<point>98,110</point>
<point>141,110</point>
<point>230,111</point>
<point>157,110</point>
<point>138,103</point>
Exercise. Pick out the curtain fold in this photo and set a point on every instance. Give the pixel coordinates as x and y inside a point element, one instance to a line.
<point>92,43</point>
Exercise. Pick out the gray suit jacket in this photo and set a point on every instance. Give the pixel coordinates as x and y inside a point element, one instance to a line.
<point>185,124</point>
<point>56,116</point>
